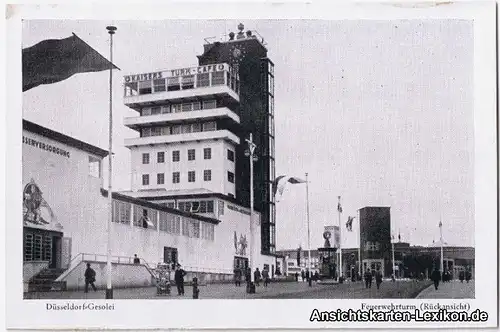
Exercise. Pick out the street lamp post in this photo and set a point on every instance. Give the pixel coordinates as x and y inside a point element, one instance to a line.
<point>252,158</point>
<point>109,287</point>
<point>308,233</point>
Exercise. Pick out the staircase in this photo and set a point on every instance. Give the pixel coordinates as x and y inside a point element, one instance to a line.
<point>44,281</point>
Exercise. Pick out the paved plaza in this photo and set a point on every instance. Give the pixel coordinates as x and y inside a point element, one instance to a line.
<point>278,290</point>
<point>449,290</point>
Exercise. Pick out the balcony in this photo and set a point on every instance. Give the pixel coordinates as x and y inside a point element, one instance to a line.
<point>218,81</point>
<point>189,137</point>
<point>181,117</point>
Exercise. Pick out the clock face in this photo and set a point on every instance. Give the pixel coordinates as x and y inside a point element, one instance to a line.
<point>237,54</point>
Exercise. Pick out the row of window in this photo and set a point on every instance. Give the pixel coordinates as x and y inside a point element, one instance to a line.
<point>176,177</point>
<point>179,129</point>
<point>176,155</point>
<point>169,223</point>
<point>178,108</point>
<point>182,83</point>
<point>37,247</point>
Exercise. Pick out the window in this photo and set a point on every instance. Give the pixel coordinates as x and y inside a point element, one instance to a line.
<point>209,126</point>
<point>207,175</point>
<point>176,108</point>
<point>94,167</point>
<point>146,111</point>
<point>130,89</point>
<point>210,206</point>
<point>191,176</point>
<point>146,132</point>
<point>145,179</point>
<point>121,212</point>
<point>170,223</point>
<point>145,158</point>
<point>160,178</point>
<point>187,82</point>
<point>176,130</point>
<point>176,177</point>
<point>218,78</point>
<point>230,155</point>
<point>165,130</point>
<point>196,127</point>
<point>186,129</point>
<point>230,177</point>
<point>203,80</point>
<point>187,107</point>
<point>191,154</point>
<point>145,88</point>
<point>173,84</point>
<point>196,106</point>
<point>207,153</point>
<point>166,109</point>
<point>160,157</point>
<point>159,85</point>
<point>156,110</point>
<point>156,131</point>
<point>207,231</point>
<point>146,218</point>
<point>176,155</point>
<point>208,104</point>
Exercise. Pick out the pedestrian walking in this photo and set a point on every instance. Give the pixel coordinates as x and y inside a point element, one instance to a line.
<point>179,279</point>
<point>303,275</point>
<point>468,276</point>
<point>378,278</point>
<point>461,276</point>
<point>436,277</point>
<point>368,279</point>
<point>89,278</point>
<point>257,276</point>
<point>136,259</point>
<point>237,277</point>
<point>296,277</point>
<point>265,277</point>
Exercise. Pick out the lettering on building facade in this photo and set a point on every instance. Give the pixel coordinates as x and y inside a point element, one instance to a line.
<point>176,73</point>
<point>46,147</point>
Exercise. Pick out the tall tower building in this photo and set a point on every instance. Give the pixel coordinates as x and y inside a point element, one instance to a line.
<point>193,123</point>
<point>247,54</point>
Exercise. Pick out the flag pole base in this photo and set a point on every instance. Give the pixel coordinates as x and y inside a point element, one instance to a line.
<point>109,293</point>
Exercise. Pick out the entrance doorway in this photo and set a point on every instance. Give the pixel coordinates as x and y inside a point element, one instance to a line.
<point>240,263</point>
<point>42,245</point>
<point>170,256</point>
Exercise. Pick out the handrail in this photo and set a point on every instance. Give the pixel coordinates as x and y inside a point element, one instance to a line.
<point>151,268</point>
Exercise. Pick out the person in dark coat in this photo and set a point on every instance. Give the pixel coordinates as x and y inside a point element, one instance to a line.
<point>265,277</point>
<point>378,278</point>
<point>303,275</point>
<point>468,276</point>
<point>436,277</point>
<point>296,276</point>
<point>368,279</point>
<point>461,276</point>
<point>89,278</point>
<point>136,259</point>
<point>256,276</point>
<point>179,280</point>
<point>237,277</point>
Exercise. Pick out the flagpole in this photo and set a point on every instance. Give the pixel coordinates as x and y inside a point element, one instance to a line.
<point>109,287</point>
<point>339,208</point>
<point>360,269</point>
<point>308,231</point>
<point>441,244</point>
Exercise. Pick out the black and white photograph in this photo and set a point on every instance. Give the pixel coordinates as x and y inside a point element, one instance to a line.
<point>184,159</point>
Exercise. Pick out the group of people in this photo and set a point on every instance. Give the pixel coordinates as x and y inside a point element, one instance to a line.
<point>369,278</point>
<point>257,275</point>
<point>305,275</point>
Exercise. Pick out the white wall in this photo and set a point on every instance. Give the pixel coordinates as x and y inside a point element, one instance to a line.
<point>216,164</point>
<point>123,275</point>
<point>82,211</point>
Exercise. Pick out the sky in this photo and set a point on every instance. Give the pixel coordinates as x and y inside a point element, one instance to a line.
<point>377,112</point>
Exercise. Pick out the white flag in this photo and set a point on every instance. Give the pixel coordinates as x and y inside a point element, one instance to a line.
<point>281,182</point>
